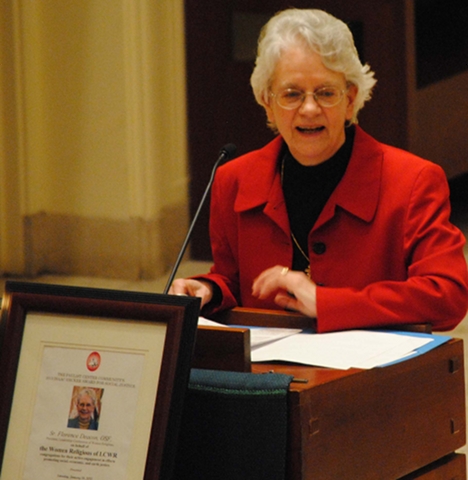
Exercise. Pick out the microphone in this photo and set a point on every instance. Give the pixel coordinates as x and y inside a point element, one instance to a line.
<point>225,154</point>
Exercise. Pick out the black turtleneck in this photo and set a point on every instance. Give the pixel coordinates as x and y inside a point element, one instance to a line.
<point>307,189</point>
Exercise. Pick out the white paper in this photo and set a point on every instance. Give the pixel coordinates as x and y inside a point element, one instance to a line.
<point>341,350</point>
<point>259,336</point>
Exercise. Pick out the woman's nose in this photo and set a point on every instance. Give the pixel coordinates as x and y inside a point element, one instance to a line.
<point>309,103</point>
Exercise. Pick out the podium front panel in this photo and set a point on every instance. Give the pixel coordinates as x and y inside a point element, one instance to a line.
<point>377,424</point>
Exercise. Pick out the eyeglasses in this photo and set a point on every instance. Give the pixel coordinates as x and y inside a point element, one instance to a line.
<point>291,98</point>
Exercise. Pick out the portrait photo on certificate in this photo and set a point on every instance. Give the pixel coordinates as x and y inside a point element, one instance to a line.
<point>85,407</point>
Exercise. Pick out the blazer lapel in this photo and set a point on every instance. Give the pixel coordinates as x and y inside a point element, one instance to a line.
<point>260,186</point>
<point>358,191</point>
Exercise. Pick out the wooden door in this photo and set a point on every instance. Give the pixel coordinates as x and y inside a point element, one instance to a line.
<point>220,46</point>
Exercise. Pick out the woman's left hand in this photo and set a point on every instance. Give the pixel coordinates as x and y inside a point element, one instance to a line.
<point>293,290</point>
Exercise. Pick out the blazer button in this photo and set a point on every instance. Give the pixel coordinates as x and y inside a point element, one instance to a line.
<point>319,248</point>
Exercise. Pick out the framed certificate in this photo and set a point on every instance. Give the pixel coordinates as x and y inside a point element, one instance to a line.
<point>93,381</point>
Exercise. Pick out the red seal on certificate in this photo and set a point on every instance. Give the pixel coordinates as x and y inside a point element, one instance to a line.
<point>93,362</point>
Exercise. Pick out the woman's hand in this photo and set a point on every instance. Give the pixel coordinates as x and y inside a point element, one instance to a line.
<point>293,290</point>
<point>192,288</point>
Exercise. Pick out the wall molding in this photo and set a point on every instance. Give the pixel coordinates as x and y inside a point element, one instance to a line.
<point>133,249</point>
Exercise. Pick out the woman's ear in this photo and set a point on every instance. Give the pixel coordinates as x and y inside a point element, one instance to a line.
<point>271,120</point>
<point>351,94</point>
<point>269,111</point>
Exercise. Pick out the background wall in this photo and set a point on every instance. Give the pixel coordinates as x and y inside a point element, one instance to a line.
<point>437,76</point>
<point>93,136</point>
<point>438,124</point>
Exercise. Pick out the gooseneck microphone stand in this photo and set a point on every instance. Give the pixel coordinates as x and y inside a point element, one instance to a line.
<point>225,154</point>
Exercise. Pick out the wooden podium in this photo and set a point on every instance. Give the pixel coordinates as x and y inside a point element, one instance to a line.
<point>404,421</point>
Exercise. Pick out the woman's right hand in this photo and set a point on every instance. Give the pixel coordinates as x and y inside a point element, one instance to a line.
<point>192,288</point>
<point>292,290</point>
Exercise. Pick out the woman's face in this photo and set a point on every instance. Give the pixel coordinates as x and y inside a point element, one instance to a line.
<point>312,133</point>
<point>85,408</point>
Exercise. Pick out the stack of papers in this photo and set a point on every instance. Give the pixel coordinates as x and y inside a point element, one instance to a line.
<point>342,350</point>
<point>348,349</point>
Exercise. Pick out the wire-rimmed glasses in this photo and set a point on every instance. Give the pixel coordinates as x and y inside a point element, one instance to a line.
<point>291,98</point>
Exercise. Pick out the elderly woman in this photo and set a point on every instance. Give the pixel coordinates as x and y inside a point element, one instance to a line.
<point>325,220</point>
<point>85,407</point>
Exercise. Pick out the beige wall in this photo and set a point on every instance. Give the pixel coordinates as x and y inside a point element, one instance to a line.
<point>93,136</point>
<point>10,208</point>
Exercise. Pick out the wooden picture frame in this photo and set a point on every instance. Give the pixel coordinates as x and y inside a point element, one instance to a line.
<point>134,349</point>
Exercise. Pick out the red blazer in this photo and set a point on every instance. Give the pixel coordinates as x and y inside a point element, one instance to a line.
<point>382,252</point>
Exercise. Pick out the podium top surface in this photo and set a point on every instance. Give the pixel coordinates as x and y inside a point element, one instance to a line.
<point>306,377</point>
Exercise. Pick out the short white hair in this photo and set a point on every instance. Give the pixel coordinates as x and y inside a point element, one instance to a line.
<point>89,392</point>
<point>322,33</point>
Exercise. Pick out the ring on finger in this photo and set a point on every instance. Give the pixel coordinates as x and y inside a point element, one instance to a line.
<point>284,271</point>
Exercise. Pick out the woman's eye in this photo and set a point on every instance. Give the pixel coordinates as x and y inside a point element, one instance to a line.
<point>292,94</point>
<point>327,93</point>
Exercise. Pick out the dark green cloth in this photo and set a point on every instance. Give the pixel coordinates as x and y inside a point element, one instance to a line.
<point>234,427</point>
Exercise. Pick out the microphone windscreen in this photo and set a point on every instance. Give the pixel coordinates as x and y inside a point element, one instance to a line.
<point>228,151</point>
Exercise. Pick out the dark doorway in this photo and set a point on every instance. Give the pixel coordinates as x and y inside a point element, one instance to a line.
<point>220,47</point>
